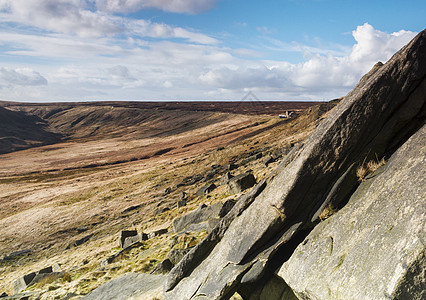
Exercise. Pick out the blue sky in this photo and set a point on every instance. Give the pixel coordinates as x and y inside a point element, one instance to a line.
<point>78,50</point>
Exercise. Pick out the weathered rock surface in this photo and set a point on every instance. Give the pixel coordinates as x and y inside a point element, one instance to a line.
<point>131,240</point>
<point>129,286</point>
<point>32,278</point>
<point>16,254</point>
<point>163,267</point>
<point>274,289</point>
<point>201,214</point>
<point>124,234</point>
<point>208,188</point>
<point>176,255</point>
<point>241,182</point>
<point>378,116</point>
<point>374,248</point>
<point>23,296</point>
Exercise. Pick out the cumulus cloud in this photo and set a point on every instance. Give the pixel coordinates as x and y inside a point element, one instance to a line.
<point>79,17</point>
<point>21,76</point>
<point>130,67</point>
<point>320,73</point>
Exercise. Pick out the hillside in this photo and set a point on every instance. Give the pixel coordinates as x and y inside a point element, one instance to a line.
<point>27,125</point>
<point>20,131</point>
<point>119,167</point>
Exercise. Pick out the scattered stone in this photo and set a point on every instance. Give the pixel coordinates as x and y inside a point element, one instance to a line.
<point>124,234</point>
<point>268,160</point>
<point>205,190</point>
<point>181,203</point>
<point>131,208</point>
<point>23,282</point>
<point>231,166</point>
<point>182,195</point>
<point>210,175</point>
<point>275,288</point>
<point>81,241</point>
<point>201,214</point>
<point>251,158</point>
<point>128,238</point>
<point>167,191</point>
<point>157,233</point>
<point>161,210</point>
<point>220,148</point>
<point>225,178</point>
<point>190,180</point>
<point>82,229</point>
<point>211,224</point>
<point>241,182</point>
<point>15,254</point>
<point>227,206</point>
<point>176,255</point>
<point>23,296</point>
<point>162,267</point>
<point>32,278</point>
<point>69,296</point>
<point>130,241</point>
<point>3,295</point>
<point>216,166</point>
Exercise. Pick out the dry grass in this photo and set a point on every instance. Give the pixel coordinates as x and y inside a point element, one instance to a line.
<point>368,168</point>
<point>53,205</point>
<point>327,212</point>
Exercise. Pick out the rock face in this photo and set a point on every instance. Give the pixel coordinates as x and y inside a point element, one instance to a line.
<point>265,225</point>
<point>385,254</point>
<point>129,286</point>
<point>201,214</point>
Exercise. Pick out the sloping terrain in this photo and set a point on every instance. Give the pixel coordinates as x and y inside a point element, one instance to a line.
<point>20,131</point>
<point>118,168</point>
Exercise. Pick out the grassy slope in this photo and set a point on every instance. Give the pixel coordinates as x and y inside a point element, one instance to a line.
<point>44,207</point>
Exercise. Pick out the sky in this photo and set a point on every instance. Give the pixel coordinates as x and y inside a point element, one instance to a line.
<point>82,50</point>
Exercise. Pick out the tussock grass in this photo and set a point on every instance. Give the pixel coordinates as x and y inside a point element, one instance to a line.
<point>327,212</point>
<point>368,168</point>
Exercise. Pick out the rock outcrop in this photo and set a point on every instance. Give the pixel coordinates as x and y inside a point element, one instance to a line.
<point>265,225</point>
<point>129,286</point>
<point>241,182</point>
<point>32,278</point>
<point>201,216</point>
<point>385,220</point>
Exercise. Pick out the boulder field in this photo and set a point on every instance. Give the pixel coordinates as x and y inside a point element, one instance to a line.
<point>370,245</point>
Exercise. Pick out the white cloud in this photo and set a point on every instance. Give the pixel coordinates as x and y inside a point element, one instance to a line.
<point>78,17</point>
<point>130,67</point>
<point>20,76</point>
<point>319,76</point>
<point>176,6</point>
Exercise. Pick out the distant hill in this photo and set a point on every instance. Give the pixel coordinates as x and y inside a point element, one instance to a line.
<point>19,130</point>
<point>27,125</point>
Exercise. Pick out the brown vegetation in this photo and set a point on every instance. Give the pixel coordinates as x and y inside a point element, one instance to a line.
<point>115,159</point>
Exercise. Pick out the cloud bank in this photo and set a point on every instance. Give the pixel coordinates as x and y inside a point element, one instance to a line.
<point>318,74</point>
<point>21,77</point>
<point>70,50</point>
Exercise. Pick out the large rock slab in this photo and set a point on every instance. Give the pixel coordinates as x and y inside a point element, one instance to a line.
<point>374,248</point>
<point>129,286</point>
<point>383,110</point>
<point>201,214</point>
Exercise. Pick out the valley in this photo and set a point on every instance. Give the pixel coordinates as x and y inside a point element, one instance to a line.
<point>112,167</point>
